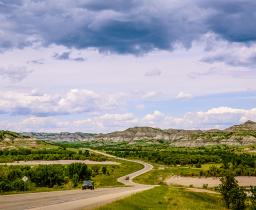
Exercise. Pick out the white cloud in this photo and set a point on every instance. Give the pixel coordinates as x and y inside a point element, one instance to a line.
<point>151,95</point>
<point>183,95</point>
<point>153,118</point>
<point>74,101</point>
<point>220,117</point>
<point>14,73</point>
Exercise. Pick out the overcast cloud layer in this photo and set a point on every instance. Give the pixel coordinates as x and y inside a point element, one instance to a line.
<point>100,66</point>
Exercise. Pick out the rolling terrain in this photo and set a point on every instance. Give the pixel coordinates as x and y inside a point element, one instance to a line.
<point>244,134</point>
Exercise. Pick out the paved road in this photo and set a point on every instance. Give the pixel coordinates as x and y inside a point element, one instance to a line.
<point>75,199</point>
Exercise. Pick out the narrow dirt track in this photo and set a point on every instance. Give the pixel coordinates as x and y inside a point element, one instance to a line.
<point>76,199</point>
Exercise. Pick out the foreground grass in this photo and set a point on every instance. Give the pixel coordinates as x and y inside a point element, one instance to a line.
<point>169,198</point>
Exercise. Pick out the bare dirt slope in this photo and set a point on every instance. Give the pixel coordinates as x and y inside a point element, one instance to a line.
<point>244,181</point>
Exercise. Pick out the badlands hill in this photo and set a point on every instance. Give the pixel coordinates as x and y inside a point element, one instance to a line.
<point>244,134</point>
<point>13,140</point>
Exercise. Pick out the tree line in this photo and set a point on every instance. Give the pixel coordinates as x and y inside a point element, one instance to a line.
<point>47,154</point>
<point>24,178</point>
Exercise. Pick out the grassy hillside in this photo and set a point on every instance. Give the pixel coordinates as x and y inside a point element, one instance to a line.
<point>8,134</point>
<point>10,140</point>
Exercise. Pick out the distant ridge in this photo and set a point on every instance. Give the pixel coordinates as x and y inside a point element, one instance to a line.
<point>247,126</point>
<point>243,134</point>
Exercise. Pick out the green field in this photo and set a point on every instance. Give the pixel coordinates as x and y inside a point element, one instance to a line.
<point>125,168</point>
<point>161,172</point>
<point>169,198</point>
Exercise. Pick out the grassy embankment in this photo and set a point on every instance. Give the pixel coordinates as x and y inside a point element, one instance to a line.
<point>170,198</point>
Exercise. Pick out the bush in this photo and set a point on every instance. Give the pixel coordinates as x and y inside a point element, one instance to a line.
<point>5,186</point>
<point>19,185</point>
<point>48,175</point>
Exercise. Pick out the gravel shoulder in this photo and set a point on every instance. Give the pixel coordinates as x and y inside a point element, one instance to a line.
<point>60,162</point>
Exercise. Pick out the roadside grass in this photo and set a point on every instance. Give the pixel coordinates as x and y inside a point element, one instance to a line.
<point>126,167</point>
<point>169,198</point>
<point>150,199</point>
<point>180,199</point>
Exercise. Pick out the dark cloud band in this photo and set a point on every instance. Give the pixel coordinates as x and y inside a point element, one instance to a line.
<point>121,26</point>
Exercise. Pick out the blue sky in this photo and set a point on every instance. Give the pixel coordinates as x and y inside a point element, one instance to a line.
<point>101,66</point>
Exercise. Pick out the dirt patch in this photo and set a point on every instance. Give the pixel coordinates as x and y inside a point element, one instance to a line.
<point>62,162</point>
<point>210,181</point>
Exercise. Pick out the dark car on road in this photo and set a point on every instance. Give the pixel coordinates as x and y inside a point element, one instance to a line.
<point>88,184</point>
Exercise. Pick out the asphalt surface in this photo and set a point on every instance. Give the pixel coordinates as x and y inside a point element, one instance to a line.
<point>76,199</point>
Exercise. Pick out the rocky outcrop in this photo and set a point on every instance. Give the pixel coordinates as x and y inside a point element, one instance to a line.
<point>63,136</point>
<point>247,126</point>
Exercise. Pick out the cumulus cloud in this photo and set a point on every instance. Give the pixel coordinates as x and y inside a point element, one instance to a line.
<point>151,95</point>
<point>233,54</point>
<point>183,95</point>
<point>74,101</point>
<point>14,73</point>
<point>219,117</point>
<point>124,27</point>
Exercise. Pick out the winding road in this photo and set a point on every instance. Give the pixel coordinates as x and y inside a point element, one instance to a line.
<point>77,199</point>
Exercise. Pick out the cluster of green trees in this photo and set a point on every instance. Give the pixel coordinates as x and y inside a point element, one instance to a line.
<point>168,155</point>
<point>47,154</point>
<point>235,196</point>
<point>241,163</point>
<point>23,178</point>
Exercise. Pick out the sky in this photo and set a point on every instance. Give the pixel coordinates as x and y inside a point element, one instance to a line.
<point>101,66</point>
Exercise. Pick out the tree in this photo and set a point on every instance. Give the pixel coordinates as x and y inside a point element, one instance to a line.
<point>104,170</point>
<point>79,169</point>
<point>253,197</point>
<point>48,175</point>
<point>75,180</point>
<point>234,197</point>
<point>238,198</point>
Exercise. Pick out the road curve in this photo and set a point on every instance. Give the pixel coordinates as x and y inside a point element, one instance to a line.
<point>77,199</point>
